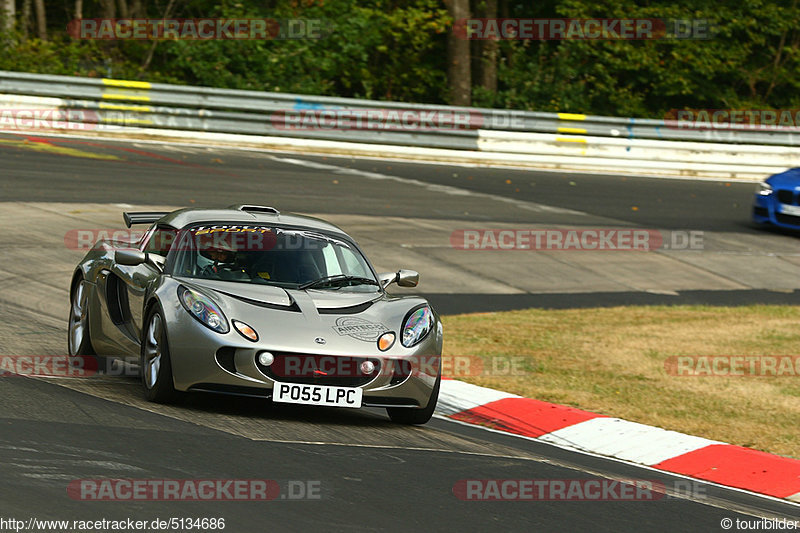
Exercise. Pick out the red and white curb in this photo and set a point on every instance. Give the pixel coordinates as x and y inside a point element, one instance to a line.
<point>700,458</point>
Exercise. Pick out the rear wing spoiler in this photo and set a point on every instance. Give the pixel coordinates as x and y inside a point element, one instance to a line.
<point>143,217</point>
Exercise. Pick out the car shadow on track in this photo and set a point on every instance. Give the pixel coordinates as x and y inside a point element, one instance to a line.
<point>265,408</point>
<point>123,382</point>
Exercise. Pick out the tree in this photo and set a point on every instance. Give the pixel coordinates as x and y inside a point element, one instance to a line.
<point>26,17</point>
<point>108,9</point>
<point>137,10</point>
<point>41,20</point>
<point>8,13</point>
<point>489,52</point>
<point>459,72</point>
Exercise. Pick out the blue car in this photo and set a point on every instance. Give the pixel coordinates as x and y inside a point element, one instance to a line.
<point>777,200</point>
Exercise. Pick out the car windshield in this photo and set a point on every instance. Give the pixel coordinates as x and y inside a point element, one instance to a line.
<point>272,256</point>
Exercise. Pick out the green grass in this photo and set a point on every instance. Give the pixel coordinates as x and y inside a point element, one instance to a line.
<point>612,361</point>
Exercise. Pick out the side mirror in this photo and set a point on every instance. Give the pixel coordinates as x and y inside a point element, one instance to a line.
<point>403,278</point>
<point>407,278</point>
<point>387,278</point>
<point>129,257</point>
<point>158,261</point>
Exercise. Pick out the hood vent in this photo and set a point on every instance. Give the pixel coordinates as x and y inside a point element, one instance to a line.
<point>293,307</point>
<point>259,209</point>
<point>352,310</point>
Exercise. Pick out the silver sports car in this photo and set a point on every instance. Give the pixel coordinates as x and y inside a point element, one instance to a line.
<point>248,301</point>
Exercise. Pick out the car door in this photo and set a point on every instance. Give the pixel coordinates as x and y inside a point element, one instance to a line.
<point>139,280</point>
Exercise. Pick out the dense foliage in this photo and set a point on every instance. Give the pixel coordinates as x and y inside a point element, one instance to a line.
<point>397,50</point>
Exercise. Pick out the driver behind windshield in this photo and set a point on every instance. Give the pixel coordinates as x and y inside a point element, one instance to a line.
<point>262,255</point>
<point>221,259</point>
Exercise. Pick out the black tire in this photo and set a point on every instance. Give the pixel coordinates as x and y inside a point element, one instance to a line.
<point>79,317</point>
<point>411,416</point>
<point>156,377</point>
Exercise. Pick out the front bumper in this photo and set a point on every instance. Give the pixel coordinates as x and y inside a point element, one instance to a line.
<point>769,210</point>
<point>203,360</point>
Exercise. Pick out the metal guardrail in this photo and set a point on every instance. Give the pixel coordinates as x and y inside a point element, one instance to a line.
<point>517,136</point>
<point>223,109</point>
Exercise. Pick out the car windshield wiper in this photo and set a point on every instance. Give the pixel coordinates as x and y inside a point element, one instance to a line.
<point>336,279</point>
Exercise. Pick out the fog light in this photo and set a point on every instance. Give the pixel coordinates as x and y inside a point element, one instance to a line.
<point>386,341</point>
<point>266,358</point>
<point>367,367</point>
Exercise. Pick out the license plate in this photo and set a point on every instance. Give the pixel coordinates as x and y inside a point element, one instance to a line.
<point>789,209</point>
<point>317,395</point>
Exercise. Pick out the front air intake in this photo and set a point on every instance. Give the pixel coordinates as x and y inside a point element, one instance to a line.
<point>315,369</point>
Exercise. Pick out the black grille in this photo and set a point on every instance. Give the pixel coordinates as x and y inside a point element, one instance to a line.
<point>787,197</point>
<point>787,219</point>
<point>386,401</point>
<point>314,369</point>
<point>225,356</point>
<point>401,369</point>
<point>760,211</point>
<point>232,390</point>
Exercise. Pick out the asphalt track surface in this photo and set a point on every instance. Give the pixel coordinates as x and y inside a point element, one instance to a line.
<point>41,169</point>
<point>373,475</point>
<point>139,173</point>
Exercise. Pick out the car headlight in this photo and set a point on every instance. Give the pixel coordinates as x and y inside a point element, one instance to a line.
<point>764,189</point>
<point>203,309</point>
<point>416,326</point>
